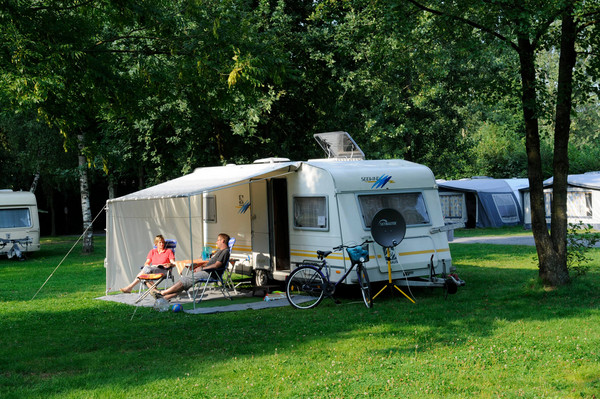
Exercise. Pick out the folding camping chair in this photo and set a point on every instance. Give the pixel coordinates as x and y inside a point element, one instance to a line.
<point>156,278</point>
<point>215,276</point>
<point>231,270</point>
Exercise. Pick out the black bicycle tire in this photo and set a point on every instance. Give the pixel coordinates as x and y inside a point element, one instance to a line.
<point>365,286</point>
<point>297,279</point>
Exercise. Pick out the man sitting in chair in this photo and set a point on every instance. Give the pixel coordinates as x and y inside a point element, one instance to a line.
<point>200,269</point>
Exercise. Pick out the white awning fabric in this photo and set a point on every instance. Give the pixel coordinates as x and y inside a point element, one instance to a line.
<point>208,179</point>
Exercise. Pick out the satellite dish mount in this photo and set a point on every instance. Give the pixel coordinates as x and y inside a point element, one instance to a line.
<point>388,229</point>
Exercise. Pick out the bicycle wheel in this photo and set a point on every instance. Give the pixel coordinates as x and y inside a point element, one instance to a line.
<point>365,286</point>
<point>304,288</point>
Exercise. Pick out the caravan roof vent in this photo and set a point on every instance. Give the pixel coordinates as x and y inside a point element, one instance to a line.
<point>339,145</point>
<point>271,160</point>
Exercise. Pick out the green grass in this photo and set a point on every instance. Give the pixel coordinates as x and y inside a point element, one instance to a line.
<point>491,231</point>
<point>501,336</point>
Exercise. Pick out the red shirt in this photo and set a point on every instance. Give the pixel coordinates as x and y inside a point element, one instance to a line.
<point>160,259</point>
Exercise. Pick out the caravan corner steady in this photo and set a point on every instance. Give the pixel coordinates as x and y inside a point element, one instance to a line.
<point>281,212</point>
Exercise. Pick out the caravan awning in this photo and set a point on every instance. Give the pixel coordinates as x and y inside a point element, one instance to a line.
<point>586,180</point>
<point>209,179</point>
<point>477,185</point>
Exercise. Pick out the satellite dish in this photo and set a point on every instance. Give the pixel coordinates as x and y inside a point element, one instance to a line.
<point>388,228</point>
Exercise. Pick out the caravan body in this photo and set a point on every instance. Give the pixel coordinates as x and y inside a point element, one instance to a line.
<point>351,193</point>
<point>19,223</point>
<point>281,213</point>
<point>583,200</point>
<point>482,202</point>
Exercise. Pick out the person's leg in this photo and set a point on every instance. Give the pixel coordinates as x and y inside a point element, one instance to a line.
<point>128,289</point>
<point>136,281</point>
<point>185,283</point>
<point>172,291</point>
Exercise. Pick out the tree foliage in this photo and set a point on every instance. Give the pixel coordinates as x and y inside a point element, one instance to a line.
<point>159,88</point>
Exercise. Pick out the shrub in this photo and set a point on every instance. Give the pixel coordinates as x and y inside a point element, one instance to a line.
<point>580,239</point>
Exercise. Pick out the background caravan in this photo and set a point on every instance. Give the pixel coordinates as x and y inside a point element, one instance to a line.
<point>583,200</point>
<point>281,212</point>
<point>482,202</point>
<point>19,223</point>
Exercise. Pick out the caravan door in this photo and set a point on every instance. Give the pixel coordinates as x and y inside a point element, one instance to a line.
<point>270,230</point>
<point>280,226</point>
<point>259,207</point>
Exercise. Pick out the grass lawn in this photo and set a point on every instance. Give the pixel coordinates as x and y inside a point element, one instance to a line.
<point>500,336</point>
<point>491,231</point>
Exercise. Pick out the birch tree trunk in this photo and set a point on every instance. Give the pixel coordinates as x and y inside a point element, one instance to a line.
<point>88,238</point>
<point>36,179</point>
<point>111,187</point>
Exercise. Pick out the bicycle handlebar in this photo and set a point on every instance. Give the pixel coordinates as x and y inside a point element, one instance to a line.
<point>323,254</point>
<point>342,246</point>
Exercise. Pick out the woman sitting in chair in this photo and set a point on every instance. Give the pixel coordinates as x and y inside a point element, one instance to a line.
<point>159,260</point>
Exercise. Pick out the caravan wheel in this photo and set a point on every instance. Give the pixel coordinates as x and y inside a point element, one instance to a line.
<point>261,278</point>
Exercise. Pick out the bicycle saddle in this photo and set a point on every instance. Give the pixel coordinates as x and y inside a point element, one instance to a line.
<point>323,254</point>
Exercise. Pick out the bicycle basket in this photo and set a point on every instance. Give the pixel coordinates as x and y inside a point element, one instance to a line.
<point>358,252</point>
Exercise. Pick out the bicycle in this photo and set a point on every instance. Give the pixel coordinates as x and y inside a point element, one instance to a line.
<point>307,285</point>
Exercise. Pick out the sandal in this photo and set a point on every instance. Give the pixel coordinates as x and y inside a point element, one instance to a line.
<point>156,294</point>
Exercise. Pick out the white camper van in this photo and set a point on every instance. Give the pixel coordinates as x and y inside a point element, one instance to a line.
<point>19,223</point>
<point>281,212</point>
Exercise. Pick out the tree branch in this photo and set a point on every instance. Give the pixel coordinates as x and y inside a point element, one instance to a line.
<point>466,21</point>
<point>587,24</point>
<point>592,53</point>
<point>547,24</point>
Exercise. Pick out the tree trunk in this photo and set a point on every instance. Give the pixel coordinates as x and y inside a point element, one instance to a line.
<point>556,273</point>
<point>547,257</point>
<point>36,179</point>
<point>88,238</point>
<point>551,250</point>
<point>111,187</point>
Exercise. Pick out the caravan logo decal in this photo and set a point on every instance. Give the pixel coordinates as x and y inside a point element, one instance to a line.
<point>378,182</point>
<point>244,207</point>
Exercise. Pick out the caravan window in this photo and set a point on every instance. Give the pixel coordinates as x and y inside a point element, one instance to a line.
<point>15,217</point>
<point>452,205</point>
<point>311,213</point>
<point>507,207</point>
<point>579,204</point>
<point>210,209</point>
<point>410,205</point>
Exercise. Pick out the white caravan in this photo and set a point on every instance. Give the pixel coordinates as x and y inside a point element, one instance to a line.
<point>281,212</point>
<point>19,223</point>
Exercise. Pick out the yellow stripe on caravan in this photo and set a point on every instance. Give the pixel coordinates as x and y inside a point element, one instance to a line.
<point>312,254</point>
<point>236,248</point>
<point>242,248</point>
<point>429,251</point>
